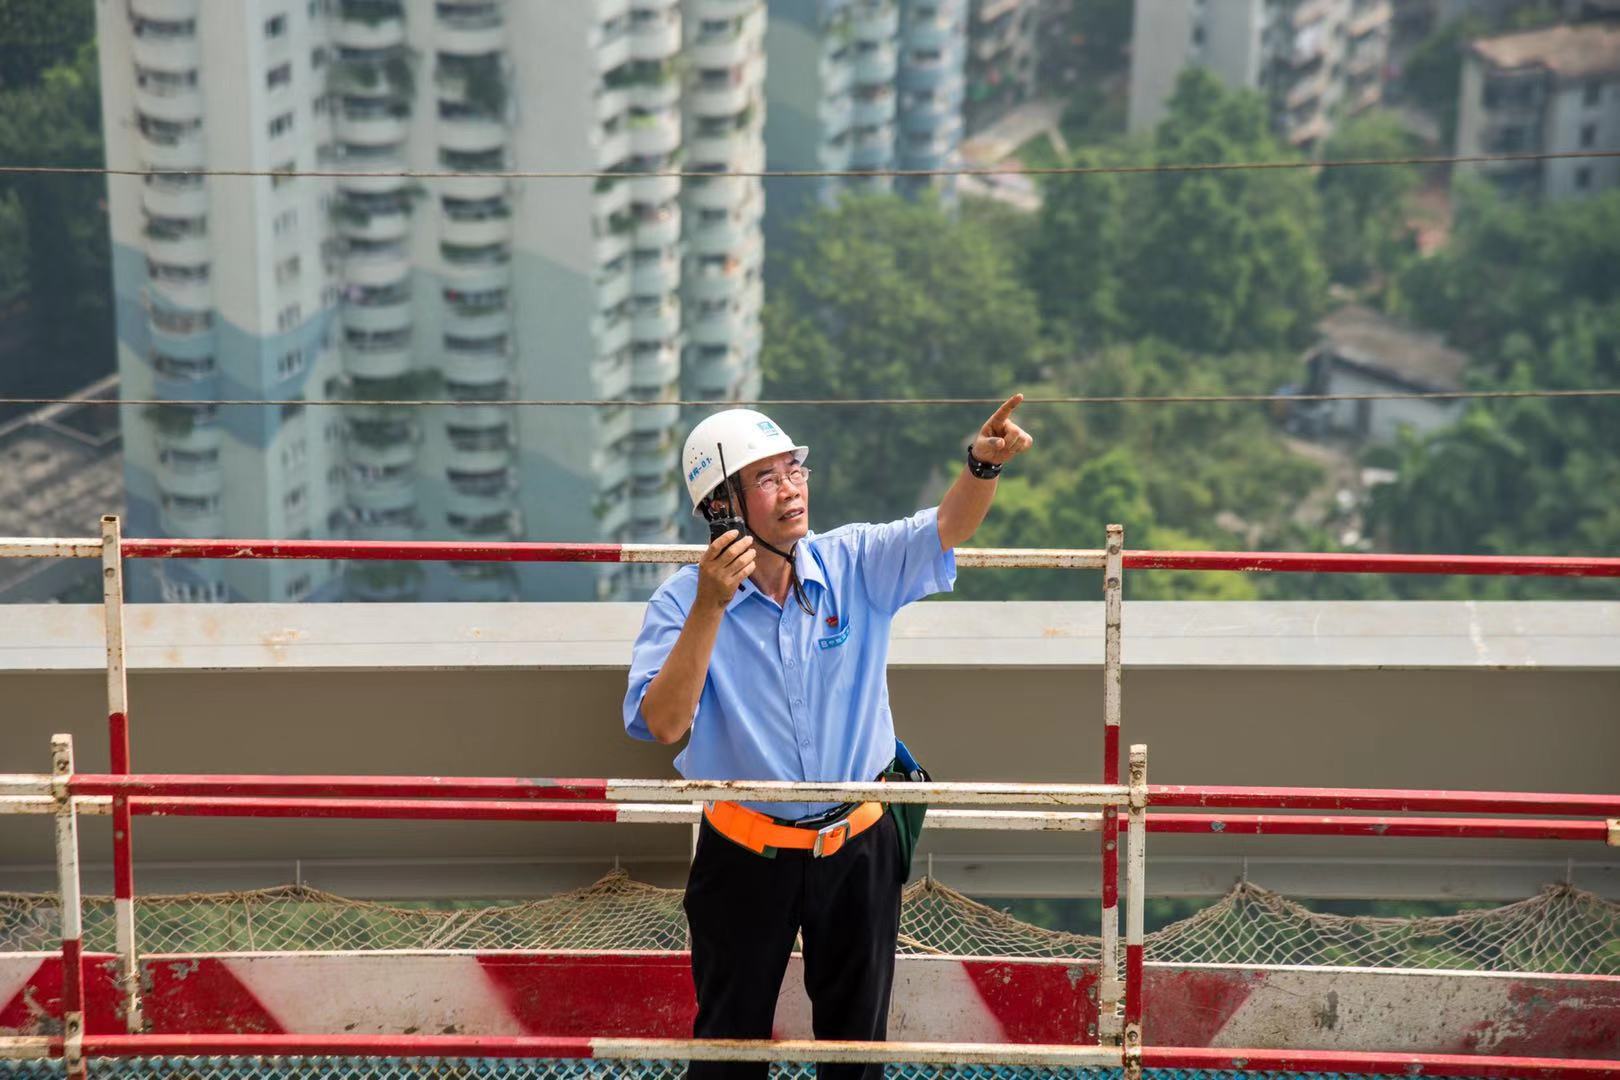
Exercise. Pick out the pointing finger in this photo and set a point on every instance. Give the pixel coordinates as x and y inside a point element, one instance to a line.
<point>1006,410</point>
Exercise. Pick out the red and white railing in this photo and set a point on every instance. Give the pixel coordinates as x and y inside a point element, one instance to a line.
<point>126,795</point>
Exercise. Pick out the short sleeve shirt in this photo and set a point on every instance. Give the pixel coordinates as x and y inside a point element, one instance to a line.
<point>789,695</point>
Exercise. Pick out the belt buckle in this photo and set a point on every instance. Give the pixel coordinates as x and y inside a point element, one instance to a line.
<point>823,833</point>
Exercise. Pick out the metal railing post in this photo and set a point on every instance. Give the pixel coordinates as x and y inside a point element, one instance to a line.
<point>1135,912</point>
<point>118,761</point>
<point>67,874</point>
<point>1108,1004</point>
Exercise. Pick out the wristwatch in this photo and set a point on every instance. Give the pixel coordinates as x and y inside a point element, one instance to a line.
<point>984,470</point>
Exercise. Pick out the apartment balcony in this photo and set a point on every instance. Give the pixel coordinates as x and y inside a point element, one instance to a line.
<point>1309,88</point>
<point>485,415</point>
<point>722,49</point>
<point>396,492</point>
<point>199,382</point>
<point>654,419</point>
<point>196,480</point>
<point>191,295</point>
<point>613,425</point>
<point>166,52</point>
<point>386,316</point>
<point>476,268</point>
<point>654,135</point>
<point>613,514</point>
<point>611,333</point>
<point>1366,59</point>
<point>879,21</point>
<point>613,285</point>
<point>1308,131</point>
<point>177,150</point>
<point>375,267</point>
<point>467,135</point>
<point>357,160</point>
<point>481,495</point>
<point>193,524</point>
<point>720,193</point>
<point>369,26</point>
<point>383,359</point>
<point>718,148</point>
<point>654,96</point>
<point>165,10</point>
<point>161,197</point>
<point>655,322</point>
<point>876,64</point>
<point>710,281</point>
<point>477,323</point>
<point>612,51</point>
<point>383,125</point>
<point>710,235</point>
<point>940,32</point>
<point>1310,11</point>
<point>466,456</point>
<point>835,112</point>
<point>610,376</point>
<point>939,73</point>
<point>655,370</point>
<point>724,99</point>
<point>476,367</point>
<point>176,245</point>
<point>650,190</point>
<point>614,241</point>
<point>381,446</point>
<point>175,104</point>
<point>376,225</point>
<point>654,503</point>
<point>659,228</point>
<point>612,147</point>
<point>657,38</point>
<point>727,9</point>
<point>472,34</point>
<point>649,276</point>
<point>610,466</point>
<point>868,110</point>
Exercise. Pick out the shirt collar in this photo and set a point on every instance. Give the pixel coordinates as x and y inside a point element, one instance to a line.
<point>808,565</point>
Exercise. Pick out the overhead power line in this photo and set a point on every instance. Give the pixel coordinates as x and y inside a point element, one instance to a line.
<point>813,174</point>
<point>1082,399</point>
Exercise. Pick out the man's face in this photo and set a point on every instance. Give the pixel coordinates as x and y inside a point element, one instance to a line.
<point>780,510</point>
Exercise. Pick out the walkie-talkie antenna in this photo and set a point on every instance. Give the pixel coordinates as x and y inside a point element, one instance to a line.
<point>733,494</point>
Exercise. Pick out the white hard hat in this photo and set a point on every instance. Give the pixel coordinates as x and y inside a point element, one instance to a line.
<point>747,436</point>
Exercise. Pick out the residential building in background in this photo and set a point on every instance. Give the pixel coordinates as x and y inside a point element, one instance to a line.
<point>375,287</point>
<point>1003,63</point>
<point>1316,61</point>
<point>861,85</point>
<point>1547,91</point>
<point>1361,351</point>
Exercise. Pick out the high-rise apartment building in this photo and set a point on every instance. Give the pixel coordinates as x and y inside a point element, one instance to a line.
<point>373,286</point>
<point>1555,90</point>
<point>1315,60</point>
<point>862,85</point>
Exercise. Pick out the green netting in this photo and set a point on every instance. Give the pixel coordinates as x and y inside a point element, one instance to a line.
<point>1561,929</point>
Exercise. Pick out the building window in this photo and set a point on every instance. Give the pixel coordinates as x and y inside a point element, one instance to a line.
<point>1588,136</point>
<point>289,317</point>
<point>291,363</point>
<point>284,222</point>
<point>1583,178</point>
<point>282,124</point>
<point>295,499</point>
<point>1593,93</point>
<point>287,270</point>
<point>292,410</point>
<point>280,75</point>
<point>275,27</point>
<point>298,587</point>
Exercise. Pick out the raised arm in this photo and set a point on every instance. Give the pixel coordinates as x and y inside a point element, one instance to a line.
<point>965,504</point>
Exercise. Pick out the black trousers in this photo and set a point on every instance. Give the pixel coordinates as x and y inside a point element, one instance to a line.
<point>745,910</point>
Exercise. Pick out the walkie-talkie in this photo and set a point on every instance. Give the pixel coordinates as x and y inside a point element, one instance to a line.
<point>719,526</point>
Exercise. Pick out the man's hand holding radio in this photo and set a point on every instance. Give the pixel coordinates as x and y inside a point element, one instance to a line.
<point>726,565</point>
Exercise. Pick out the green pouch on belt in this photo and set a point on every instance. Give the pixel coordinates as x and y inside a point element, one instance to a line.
<point>908,817</point>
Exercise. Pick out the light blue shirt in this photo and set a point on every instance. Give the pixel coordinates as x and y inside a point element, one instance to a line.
<point>791,696</point>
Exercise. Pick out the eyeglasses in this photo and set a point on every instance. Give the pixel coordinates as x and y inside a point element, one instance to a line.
<point>798,476</point>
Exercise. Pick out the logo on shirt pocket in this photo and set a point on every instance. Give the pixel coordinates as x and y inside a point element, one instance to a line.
<point>834,640</point>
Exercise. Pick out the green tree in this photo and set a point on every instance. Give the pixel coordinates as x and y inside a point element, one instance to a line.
<point>1215,262</point>
<point>37,35</point>
<point>1363,208</point>
<point>58,122</point>
<point>885,298</point>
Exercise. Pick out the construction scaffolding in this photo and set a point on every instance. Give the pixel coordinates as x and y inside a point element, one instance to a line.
<point>1116,1036</point>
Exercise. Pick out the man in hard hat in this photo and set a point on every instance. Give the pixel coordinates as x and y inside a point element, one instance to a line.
<point>770,654</point>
